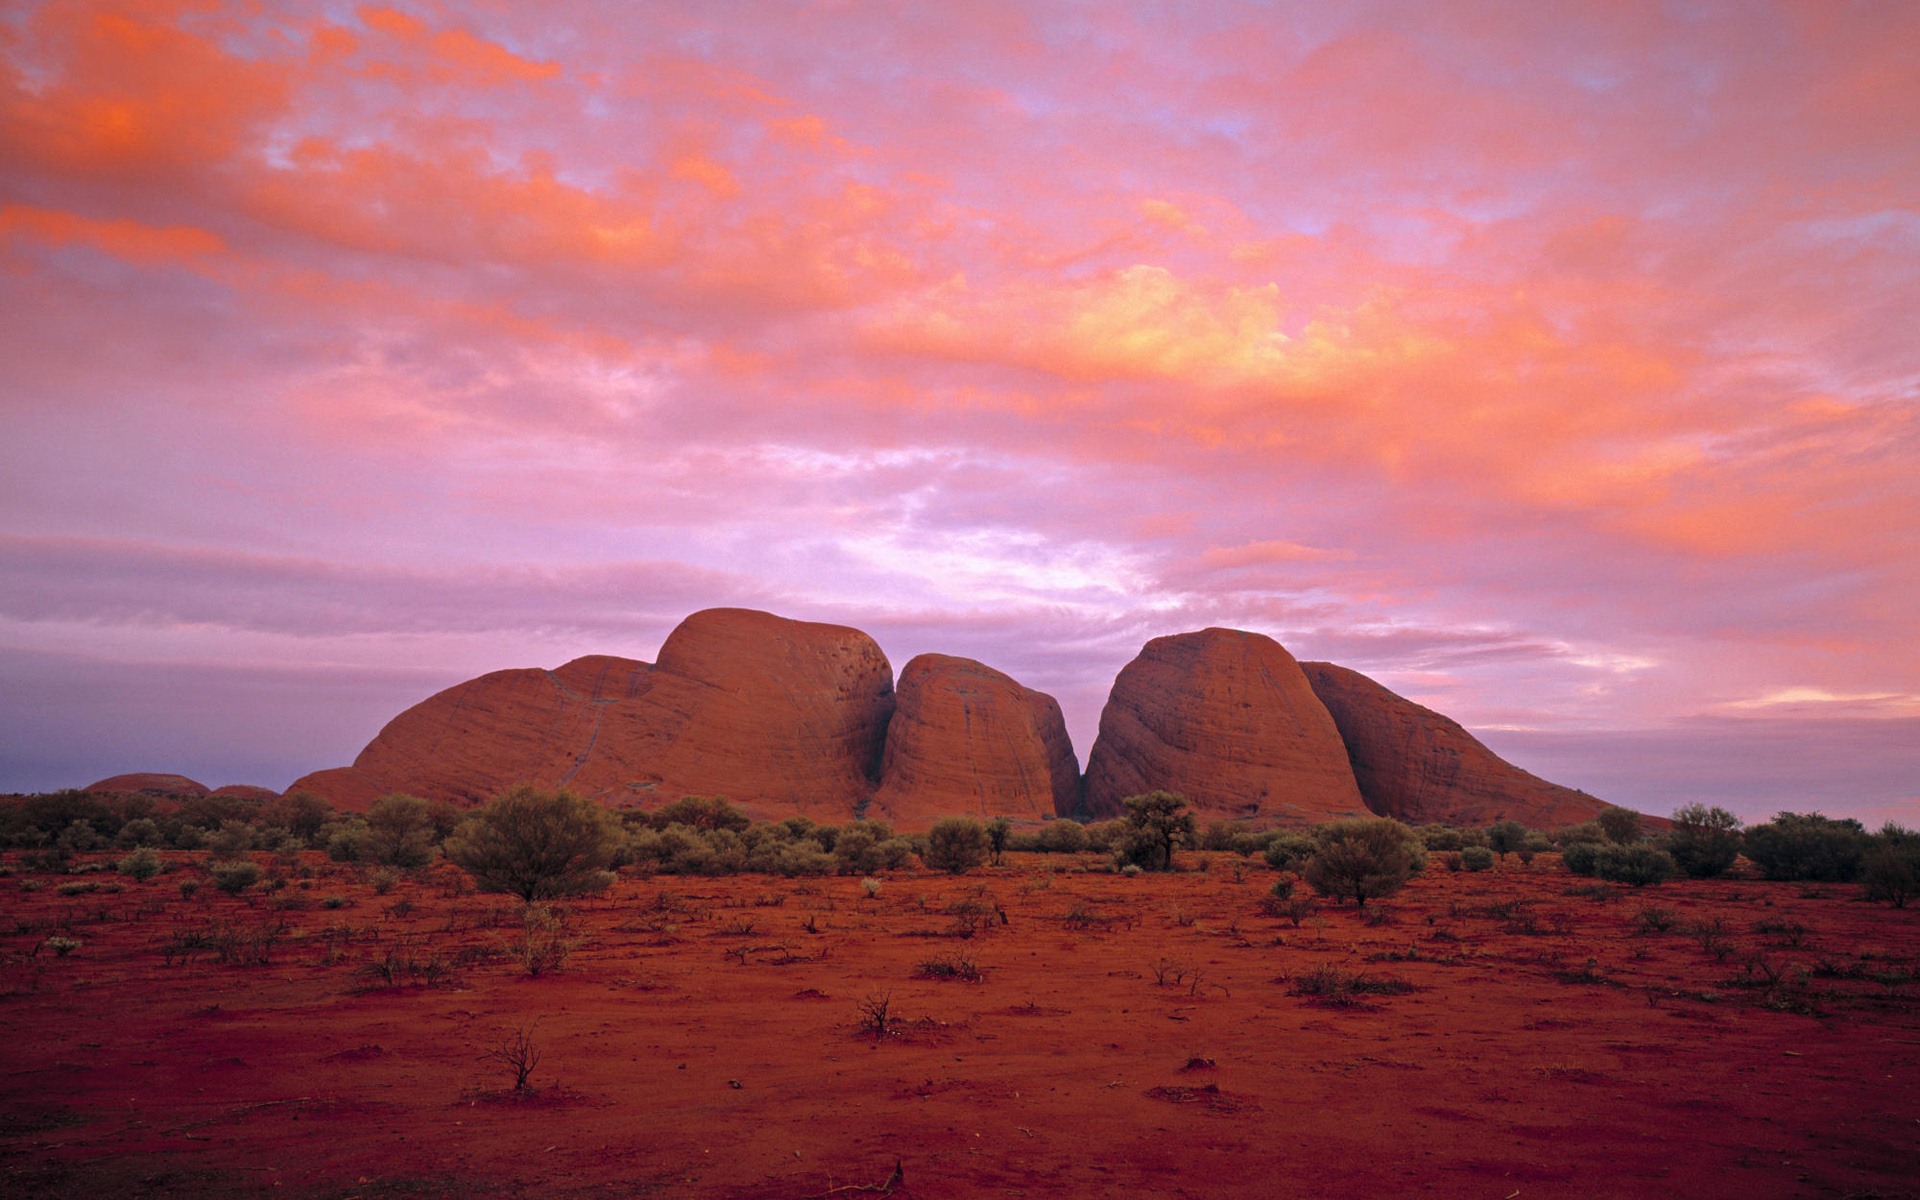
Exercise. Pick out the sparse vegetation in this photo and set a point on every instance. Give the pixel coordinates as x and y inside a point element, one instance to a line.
<point>957,845</point>
<point>1704,841</point>
<point>537,845</point>
<point>1158,825</point>
<point>1808,847</point>
<point>1363,859</point>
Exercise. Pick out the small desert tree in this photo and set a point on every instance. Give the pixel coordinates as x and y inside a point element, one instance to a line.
<point>1157,824</point>
<point>1621,825</point>
<point>956,845</point>
<point>1504,837</point>
<point>399,831</point>
<point>537,845</point>
<point>1363,858</point>
<point>1808,846</point>
<point>1891,869</point>
<point>999,833</point>
<point>1704,841</point>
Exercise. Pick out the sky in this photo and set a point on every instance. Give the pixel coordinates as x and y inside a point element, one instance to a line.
<point>1554,365</point>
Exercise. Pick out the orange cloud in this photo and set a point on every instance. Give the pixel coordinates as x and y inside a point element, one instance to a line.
<point>456,54</point>
<point>126,239</point>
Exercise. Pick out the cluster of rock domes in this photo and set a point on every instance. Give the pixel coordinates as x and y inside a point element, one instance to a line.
<point>786,717</point>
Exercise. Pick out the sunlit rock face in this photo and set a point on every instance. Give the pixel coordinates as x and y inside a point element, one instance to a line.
<point>966,740</point>
<point>1416,765</point>
<point>1227,719</point>
<point>781,716</point>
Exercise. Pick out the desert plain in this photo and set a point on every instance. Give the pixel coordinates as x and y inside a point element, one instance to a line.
<point>1042,1028</point>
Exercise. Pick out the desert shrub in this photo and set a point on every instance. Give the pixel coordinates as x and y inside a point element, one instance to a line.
<point>344,840</point>
<point>537,845</point>
<point>1105,836</point>
<point>1286,851</point>
<point>1808,846</point>
<point>543,944</point>
<point>1890,871</point>
<point>1476,858</point>
<point>957,845</point>
<point>1535,843</point>
<point>301,813</point>
<point>1505,837</point>
<point>1218,835</point>
<point>999,835</point>
<point>399,832</point>
<point>1654,920</point>
<point>383,880</point>
<point>869,847</point>
<point>1363,858</point>
<point>1580,857</point>
<point>232,840</point>
<point>704,813</point>
<point>1704,841</point>
<point>1588,833</point>
<point>1334,986</point>
<point>1438,837</point>
<point>957,965</point>
<point>1061,837</point>
<point>1638,865</point>
<point>1621,825</point>
<point>1453,860</point>
<point>1157,825</point>
<point>79,837</point>
<point>143,864</point>
<point>802,856</point>
<point>141,831</point>
<point>235,877</point>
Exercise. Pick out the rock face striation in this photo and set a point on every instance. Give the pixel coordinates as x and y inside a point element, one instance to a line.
<point>1227,719</point>
<point>1418,766</point>
<point>966,740</point>
<point>781,716</point>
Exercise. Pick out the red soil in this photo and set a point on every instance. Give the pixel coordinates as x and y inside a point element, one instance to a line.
<point>1132,1036</point>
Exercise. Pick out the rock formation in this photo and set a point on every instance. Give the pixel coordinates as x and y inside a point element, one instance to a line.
<point>1227,719</point>
<point>966,740</point>
<point>781,716</point>
<point>152,782</point>
<point>246,791</point>
<point>1418,766</point>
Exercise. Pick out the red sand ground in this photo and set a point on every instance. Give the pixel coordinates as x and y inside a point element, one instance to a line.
<point>1132,1036</point>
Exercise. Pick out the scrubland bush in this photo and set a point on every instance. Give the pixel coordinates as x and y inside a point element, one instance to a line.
<point>957,845</point>
<point>1363,859</point>
<point>234,877</point>
<point>1587,834</point>
<point>1286,851</point>
<point>1704,841</point>
<point>143,864</point>
<point>1808,847</point>
<point>1061,837</point>
<point>1638,865</point>
<point>537,845</point>
<point>1621,825</point>
<point>1890,870</point>
<point>1157,824</point>
<point>400,832</point>
<point>1476,858</point>
<point>1505,837</point>
<point>1580,857</point>
<point>1104,836</point>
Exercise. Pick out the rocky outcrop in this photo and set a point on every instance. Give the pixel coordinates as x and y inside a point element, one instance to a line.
<point>966,740</point>
<point>781,716</point>
<point>153,783</point>
<point>1420,767</point>
<point>247,791</point>
<point>1227,719</point>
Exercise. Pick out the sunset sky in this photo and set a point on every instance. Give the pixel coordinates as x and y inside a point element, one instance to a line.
<point>1557,365</point>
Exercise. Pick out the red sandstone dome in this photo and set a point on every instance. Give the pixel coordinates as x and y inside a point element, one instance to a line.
<point>152,782</point>
<point>1225,718</point>
<point>966,740</point>
<point>1416,765</point>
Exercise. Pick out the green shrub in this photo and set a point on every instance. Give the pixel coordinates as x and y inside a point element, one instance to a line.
<point>1638,865</point>
<point>1580,857</point>
<point>143,864</point>
<point>1505,837</point>
<point>1286,851</point>
<point>957,845</point>
<point>1476,858</point>
<point>1363,859</point>
<point>1157,825</point>
<point>399,832</point>
<point>869,847</point>
<point>1621,825</point>
<point>234,877</point>
<point>1809,846</point>
<point>1890,871</point>
<point>537,845</point>
<point>1062,837</point>
<point>1439,837</point>
<point>141,831</point>
<point>705,813</point>
<point>1704,841</point>
<point>1576,835</point>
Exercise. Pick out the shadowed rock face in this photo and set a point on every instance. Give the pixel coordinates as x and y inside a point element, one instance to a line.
<point>1227,719</point>
<point>781,716</point>
<point>152,782</point>
<point>968,741</point>
<point>1420,767</point>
